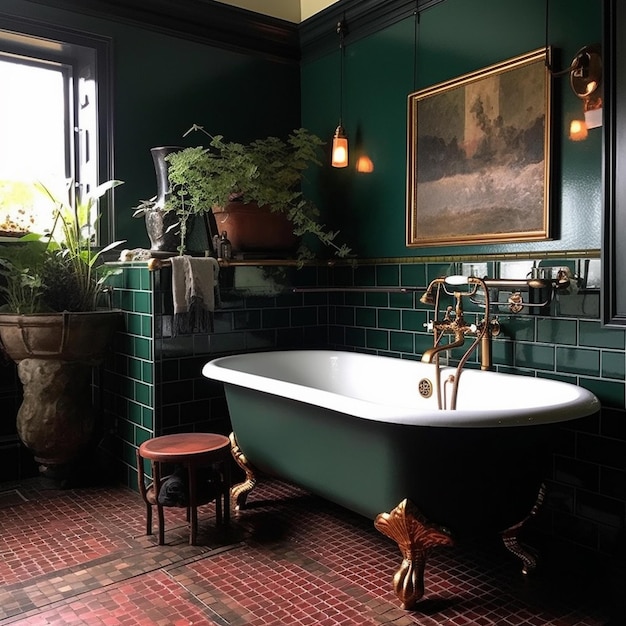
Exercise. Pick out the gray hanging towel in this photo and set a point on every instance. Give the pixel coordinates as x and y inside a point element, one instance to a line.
<point>194,281</point>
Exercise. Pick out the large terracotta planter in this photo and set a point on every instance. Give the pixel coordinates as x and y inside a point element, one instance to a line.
<point>55,354</point>
<point>255,230</point>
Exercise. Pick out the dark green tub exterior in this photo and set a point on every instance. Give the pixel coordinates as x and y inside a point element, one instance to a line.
<point>470,480</point>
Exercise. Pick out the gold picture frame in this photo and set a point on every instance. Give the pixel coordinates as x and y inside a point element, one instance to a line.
<point>479,156</point>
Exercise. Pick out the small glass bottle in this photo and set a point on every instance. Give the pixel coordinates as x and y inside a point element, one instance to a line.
<point>224,247</point>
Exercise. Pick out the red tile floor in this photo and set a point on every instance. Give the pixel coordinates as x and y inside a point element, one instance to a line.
<point>80,556</point>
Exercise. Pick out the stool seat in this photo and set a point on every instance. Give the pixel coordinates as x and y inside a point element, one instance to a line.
<point>192,451</point>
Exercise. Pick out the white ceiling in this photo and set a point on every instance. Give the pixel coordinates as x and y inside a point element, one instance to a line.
<point>291,10</point>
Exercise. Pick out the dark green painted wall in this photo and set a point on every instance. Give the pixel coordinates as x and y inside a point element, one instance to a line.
<point>453,38</point>
<point>163,84</point>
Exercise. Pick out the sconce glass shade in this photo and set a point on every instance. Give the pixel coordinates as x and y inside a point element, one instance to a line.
<point>593,112</point>
<point>578,130</point>
<point>340,148</point>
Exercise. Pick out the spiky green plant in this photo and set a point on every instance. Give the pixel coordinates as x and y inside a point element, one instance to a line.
<point>59,271</point>
<point>76,268</point>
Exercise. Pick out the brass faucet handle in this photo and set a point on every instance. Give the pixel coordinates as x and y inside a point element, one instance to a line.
<point>494,327</point>
<point>516,302</point>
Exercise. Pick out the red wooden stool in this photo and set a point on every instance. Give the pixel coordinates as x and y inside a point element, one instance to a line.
<point>193,451</point>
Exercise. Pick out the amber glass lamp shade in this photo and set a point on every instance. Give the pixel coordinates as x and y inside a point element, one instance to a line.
<point>578,130</point>
<point>364,165</point>
<point>340,148</point>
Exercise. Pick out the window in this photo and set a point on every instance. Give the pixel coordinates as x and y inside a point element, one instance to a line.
<point>53,120</point>
<point>33,131</point>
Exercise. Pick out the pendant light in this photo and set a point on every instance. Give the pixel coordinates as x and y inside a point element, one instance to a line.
<point>340,139</point>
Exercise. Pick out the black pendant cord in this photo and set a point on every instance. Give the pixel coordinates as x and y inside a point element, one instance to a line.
<point>548,60</point>
<point>547,33</point>
<point>341,29</point>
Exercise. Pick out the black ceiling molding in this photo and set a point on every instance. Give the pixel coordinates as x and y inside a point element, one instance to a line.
<point>232,28</point>
<point>318,35</point>
<point>204,21</point>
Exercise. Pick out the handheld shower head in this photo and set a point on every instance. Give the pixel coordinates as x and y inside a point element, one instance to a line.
<point>456,279</point>
<point>427,296</point>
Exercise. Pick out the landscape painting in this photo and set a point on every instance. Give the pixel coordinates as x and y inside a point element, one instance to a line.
<point>479,155</point>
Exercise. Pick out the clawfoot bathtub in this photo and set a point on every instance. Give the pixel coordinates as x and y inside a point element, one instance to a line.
<point>364,431</point>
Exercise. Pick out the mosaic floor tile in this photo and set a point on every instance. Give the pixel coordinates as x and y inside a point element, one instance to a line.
<point>80,557</point>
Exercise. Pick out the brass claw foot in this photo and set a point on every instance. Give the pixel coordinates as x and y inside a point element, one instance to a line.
<point>415,537</point>
<point>512,543</point>
<point>239,492</point>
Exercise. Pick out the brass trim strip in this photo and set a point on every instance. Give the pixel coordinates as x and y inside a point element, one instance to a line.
<point>154,264</point>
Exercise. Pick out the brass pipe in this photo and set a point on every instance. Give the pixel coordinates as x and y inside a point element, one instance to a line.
<point>484,338</point>
<point>485,351</point>
<point>436,340</point>
<point>355,289</point>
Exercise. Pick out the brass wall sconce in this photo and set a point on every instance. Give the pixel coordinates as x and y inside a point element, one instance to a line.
<point>339,156</point>
<point>585,75</point>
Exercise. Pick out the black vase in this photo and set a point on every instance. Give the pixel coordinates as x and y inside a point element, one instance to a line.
<point>162,226</point>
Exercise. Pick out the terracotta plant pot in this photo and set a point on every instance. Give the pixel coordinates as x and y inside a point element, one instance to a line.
<point>55,354</point>
<point>256,230</point>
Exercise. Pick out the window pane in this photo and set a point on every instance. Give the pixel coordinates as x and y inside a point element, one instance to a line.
<point>33,142</point>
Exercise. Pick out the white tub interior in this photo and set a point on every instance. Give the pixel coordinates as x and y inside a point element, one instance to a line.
<point>386,388</point>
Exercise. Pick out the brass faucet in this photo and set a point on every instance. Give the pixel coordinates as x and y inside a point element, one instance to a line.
<point>455,324</point>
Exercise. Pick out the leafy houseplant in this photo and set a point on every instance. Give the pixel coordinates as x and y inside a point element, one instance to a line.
<point>266,173</point>
<point>51,327</point>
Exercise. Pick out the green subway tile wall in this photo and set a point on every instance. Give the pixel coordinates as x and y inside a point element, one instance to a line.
<point>129,394</point>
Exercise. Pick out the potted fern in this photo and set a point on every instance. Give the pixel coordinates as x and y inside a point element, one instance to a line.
<point>253,190</point>
<point>52,327</point>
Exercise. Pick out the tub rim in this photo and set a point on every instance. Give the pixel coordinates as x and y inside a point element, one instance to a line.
<point>583,404</point>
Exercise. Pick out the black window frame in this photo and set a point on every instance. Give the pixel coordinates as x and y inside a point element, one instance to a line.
<point>31,38</point>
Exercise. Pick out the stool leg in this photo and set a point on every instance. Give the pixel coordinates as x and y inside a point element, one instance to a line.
<point>226,494</point>
<point>156,485</point>
<point>161,519</point>
<point>193,509</point>
<point>218,506</point>
<point>141,482</point>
